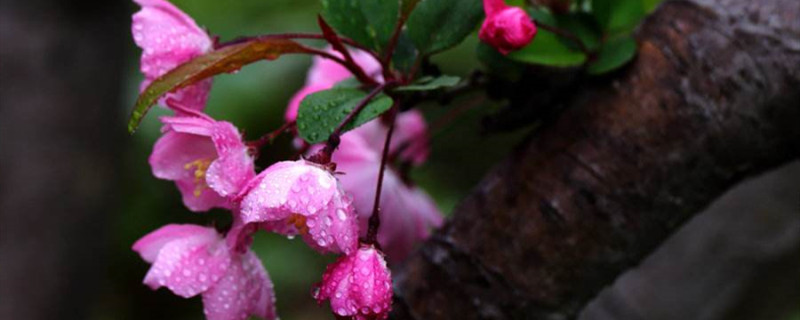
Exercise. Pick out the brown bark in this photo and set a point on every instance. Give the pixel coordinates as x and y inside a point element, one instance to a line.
<point>710,100</point>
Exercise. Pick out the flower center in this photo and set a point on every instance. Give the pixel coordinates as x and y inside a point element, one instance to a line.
<point>200,167</point>
<point>299,222</point>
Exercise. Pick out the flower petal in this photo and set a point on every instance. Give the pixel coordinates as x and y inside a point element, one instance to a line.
<point>245,290</point>
<point>234,166</point>
<point>168,37</point>
<point>174,151</point>
<point>149,245</point>
<point>188,264</point>
<point>198,197</point>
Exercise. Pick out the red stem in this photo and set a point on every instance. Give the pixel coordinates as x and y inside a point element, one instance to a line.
<point>375,219</point>
<point>324,155</point>
<point>267,138</point>
<point>387,59</point>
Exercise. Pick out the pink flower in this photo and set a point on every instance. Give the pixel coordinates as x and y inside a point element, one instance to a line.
<point>506,28</point>
<point>168,38</point>
<point>358,285</point>
<point>325,73</point>
<point>407,213</point>
<point>410,137</point>
<point>300,197</point>
<point>206,158</point>
<point>191,260</point>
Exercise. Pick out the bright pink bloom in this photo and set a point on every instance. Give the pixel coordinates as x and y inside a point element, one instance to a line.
<point>407,213</point>
<point>506,28</point>
<point>325,73</point>
<point>410,137</point>
<point>206,158</point>
<point>191,260</point>
<point>300,197</point>
<point>358,285</point>
<point>168,38</point>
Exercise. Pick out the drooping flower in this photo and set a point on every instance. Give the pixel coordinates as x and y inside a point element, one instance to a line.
<point>302,198</point>
<point>506,28</point>
<point>191,260</point>
<point>407,213</point>
<point>207,159</point>
<point>168,38</point>
<point>358,285</point>
<point>325,73</point>
<point>409,139</point>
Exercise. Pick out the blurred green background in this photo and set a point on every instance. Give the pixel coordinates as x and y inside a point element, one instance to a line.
<point>254,99</point>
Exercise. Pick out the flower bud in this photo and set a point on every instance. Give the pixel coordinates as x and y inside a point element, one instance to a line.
<point>506,28</point>
<point>358,285</point>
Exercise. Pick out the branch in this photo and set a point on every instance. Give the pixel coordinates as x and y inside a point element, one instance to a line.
<point>711,99</point>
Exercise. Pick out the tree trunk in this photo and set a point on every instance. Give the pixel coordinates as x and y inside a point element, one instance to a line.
<point>710,100</point>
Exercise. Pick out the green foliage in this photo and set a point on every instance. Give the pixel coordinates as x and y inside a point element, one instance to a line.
<point>369,22</point>
<point>547,49</point>
<point>498,63</point>
<point>404,54</point>
<point>321,112</point>
<point>227,59</point>
<point>436,25</point>
<point>618,16</point>
<point>430,83</point>
<point>613,54</point>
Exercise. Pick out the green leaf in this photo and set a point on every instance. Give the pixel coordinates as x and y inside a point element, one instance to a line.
<point>436,25</point>
<point>349,82</point>
<point>321,112</point>
<point>369,22</point>
<point>613,54</point>
<point>407,6</point>
<point>650,5</point>
<point>498,64</point>
<point>431,83</point>
<point>547,49</point>
<point>618,16</point>
<point>582,25</point>
<point>226,59</point>
<point>404,54</point>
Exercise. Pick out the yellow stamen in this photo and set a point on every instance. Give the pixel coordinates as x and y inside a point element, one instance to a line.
<point>201,166</point>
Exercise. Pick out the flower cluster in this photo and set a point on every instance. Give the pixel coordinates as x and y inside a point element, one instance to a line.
<point>213,167</point>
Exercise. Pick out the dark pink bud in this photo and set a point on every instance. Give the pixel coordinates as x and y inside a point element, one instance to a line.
<point>506,28</point>
<point>358,285</point>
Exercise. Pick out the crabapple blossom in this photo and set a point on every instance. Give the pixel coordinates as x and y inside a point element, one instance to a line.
<point>406,212</point>
<point>207,159</point>
<point>301,197</point>
<point>358,285</point>
<point>169,37</point>
<point>506,28</point>
<point>191,260</point>
<point>409,139</point>
<point>325,73</point>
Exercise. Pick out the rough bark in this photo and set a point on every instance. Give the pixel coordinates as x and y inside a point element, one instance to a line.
<point>710,100</point>
<point>60,128</point>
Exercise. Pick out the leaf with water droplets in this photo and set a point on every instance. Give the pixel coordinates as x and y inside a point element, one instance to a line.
<point>321,112</point>
<point>226,59</point>
<point>431,83</point>
<point>369,22</point>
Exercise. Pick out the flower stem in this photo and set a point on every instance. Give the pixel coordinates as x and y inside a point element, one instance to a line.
<point>267,138</point>
<point>375,219</point>
<point>324,155</point>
